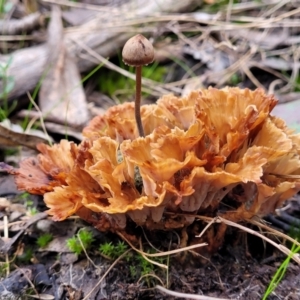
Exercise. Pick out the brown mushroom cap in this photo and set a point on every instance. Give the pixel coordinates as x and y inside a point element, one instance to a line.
<point>138,51</point>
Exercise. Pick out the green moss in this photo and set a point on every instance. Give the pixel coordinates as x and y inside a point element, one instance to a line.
<point>25,257</point>
<point>235,79</point>
<point>113,251</point>
<point>139,266</point>
<point>86,238</point>
<point>44,240</point>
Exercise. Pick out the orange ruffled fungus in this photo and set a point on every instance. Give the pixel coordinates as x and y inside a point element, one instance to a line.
<point>199,152</point>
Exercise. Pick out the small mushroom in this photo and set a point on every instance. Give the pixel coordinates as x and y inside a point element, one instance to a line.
<point>137,52</point>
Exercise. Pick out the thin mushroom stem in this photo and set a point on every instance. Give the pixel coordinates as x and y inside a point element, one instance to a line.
<point>137,107</point>
<point>137,52</point>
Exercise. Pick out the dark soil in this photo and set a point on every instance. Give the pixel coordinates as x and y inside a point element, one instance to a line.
<point>242,269</point>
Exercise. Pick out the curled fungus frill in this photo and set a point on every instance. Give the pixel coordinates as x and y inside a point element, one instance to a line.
<point>214,150</point>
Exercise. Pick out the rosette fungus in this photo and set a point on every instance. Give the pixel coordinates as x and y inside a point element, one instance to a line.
<point>199,152</point>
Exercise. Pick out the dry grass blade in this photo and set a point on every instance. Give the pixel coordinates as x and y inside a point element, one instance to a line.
<point>40,116</point>
<point>274,231</point>
<point>28,280</point>
<point>238,7</point>
<point>150,275</point>
<point>286,176</point>
<point>166,253</point>
<point>42,297</point>
<point>150,83</point>
<point>83,6</point>
<point>184,295</point>
<point>84,250</point>
<point>91,33</point>
<point>8,38</point>
<point>282,248</point>
<point>143,254</point>
<point>5,225</point>
<point>215,25</point>
<point>105,274</point>
<point>11,224</point>
<point>205,228</point>
<point>149,242</point>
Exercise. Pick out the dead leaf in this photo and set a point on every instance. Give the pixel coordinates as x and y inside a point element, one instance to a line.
<point>78,16</point>
<point>20,279</point>
<point>265,39</point>
<point>280,64</point>
<point>16,281</point>
<point>290,113</point>
<point>215,59</point>
<point>58,244</point>
<point>30,64</point>
<point>26,24</point>
<point>61,97</point>
<point>6,245</point>
<point>10,137</point>
<point>7,187</point>
<point>64,130</point>
<point>292,96</point>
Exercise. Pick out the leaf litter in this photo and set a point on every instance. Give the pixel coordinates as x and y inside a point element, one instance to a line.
<point>61,96</point>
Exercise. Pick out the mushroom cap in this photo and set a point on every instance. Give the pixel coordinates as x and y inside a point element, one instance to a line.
<point>138,51</point>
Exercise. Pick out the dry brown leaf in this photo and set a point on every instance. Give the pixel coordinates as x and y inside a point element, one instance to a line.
<point>280,63</point>
<point>78,16</point>
<point>27,24</point>
<point>30,64</point>
<point>215,59</point>
<point>63,130</point>
<point>61,97</point>
<point>266,39</point>
<point>290,112</point>
<point>9,137</point>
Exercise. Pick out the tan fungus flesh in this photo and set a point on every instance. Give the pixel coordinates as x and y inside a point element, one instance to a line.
<point>196,151</point>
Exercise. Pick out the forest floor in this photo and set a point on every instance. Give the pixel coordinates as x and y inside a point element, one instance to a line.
<point>250,44</point>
